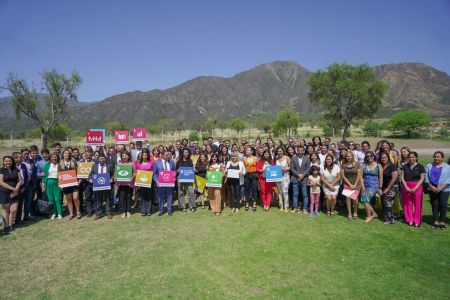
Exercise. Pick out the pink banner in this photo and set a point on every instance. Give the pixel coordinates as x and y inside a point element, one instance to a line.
<point>94,138</point>
<point>166,178</point>
<point>139,134</point>
<point>121,137</point>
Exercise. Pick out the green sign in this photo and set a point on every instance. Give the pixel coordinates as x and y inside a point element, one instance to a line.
<point>123,173</point>
<point>214,179</point>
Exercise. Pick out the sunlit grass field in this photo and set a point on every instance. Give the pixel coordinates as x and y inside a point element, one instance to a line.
<point>244,255</point>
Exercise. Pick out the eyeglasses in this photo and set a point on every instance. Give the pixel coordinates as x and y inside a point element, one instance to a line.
<point>369,156</point>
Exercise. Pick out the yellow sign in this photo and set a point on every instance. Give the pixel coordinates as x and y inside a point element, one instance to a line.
<point>143,178</point>
<point>84,169</point>
<point>199,184</point>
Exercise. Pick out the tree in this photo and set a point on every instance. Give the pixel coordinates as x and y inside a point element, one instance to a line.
<point>45,111</point>
<point>264,124</point>
<point>210,125</point>
<point>286,121</point>
<point>221,124</point>
<point>237,124</point>
<point>372,128</point>
<point>409,122</point>
<point>112,126</point>
<point>350,93</point>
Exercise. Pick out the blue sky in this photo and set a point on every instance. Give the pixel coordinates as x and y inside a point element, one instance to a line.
<point>120,46</point>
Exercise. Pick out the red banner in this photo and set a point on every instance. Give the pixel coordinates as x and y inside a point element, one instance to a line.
<point>94,138</point>
<point>139,134</point>
<point>121,137</point>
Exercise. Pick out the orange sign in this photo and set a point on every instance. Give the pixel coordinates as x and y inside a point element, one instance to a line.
<point>67,178</point>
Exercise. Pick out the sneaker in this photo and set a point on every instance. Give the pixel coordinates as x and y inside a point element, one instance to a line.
<point>305,211</point>
<point>311,214</point>
<point>124,215</point>
<point>128,215</point>
<point>442,227</point>
<point>435,226</point>
<point>53,217</point>
<point>59,217</point>
<point>6,231</point>
<point>317,213</point>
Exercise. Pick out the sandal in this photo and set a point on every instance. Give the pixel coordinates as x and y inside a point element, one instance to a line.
<point>350,218</point>
<point>355,216</point>
<point>79,216</point>
<point>203,206</point>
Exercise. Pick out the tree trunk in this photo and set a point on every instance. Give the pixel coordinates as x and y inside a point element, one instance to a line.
<point>346,127</point>
<point>44,138</point>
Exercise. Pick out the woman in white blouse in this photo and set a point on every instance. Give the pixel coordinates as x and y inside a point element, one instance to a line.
<point>330,175</point>
<point>235,171</point>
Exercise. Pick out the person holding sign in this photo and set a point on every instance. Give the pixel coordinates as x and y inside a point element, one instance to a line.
<point>351,175</point>
<point>124,183</point>
<point>165,193</point>
<point>185,187</point>
<point>265,187</point>
<point>283,186</point>
<point>71,192</point>
<point>50,185</point>
<point>234,170</point>
<point>201,166</point>
<point>214,193</point>
<point>84,169</point>
<point>147,193</point>
<point>104,194</point>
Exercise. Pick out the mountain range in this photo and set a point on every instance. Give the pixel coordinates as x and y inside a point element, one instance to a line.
<point>266,88</point>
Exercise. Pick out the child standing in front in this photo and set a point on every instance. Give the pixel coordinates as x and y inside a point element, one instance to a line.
<point>314,191</point>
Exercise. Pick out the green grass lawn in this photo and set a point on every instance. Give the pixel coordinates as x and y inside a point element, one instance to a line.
<point>244,255</point>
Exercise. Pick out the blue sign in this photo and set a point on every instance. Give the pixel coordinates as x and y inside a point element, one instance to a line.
<point>100,182</point>
<point>274,174</point>
<point>186,174</point>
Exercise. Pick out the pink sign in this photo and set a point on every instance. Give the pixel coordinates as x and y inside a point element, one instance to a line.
<point>166,178</point>
<point>94,138</point>
<point>139,134</point>
<point>121,137</point>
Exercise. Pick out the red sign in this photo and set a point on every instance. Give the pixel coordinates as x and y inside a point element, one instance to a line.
<point>122,137</point>
<point>139,134</point>
<point>166,178</point>
<point>94,138</point>
<point>67,178</point>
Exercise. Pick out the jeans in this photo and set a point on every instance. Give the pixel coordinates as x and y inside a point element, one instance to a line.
<point>234,191</point>
<point>165,193</point>
<point>304,188</point>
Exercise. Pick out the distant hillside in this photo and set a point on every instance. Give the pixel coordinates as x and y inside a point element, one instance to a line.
<point>265,88</point>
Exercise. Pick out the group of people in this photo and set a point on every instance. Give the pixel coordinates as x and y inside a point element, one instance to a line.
<point>315,176</point>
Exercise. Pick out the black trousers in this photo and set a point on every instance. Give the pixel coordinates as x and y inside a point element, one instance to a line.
<point>87,194</point>
<point>235,193</point>
<point>251,186</point>
<point>99,198</point>
<point>125,194</point>
<point>147,198</point>
<point>439,205</point>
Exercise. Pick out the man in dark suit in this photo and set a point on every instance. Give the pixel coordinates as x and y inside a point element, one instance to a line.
<point>99,196</point>
<point>164,193</point>
<point>300,167</point>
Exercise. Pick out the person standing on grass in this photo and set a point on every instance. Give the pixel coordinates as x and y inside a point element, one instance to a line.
<point>265,187</point>
<point>372,178</point>
<point>437,179</point>
<point>389,188</point>
<point>351,176</point>
<point>412,178</point>
<point>234,183</point>
<point>164,193</point>
<point>71,192</point>
<point>29,187</point>
<point>10,183</point>
<point>300,168</point>
<point>214,193</point>
<point>283,187</point>
<point>125,189</point>
<point>102,167</point>
<point>330,175</point>
<point>185,188</point>
<point>50,185</point>
<point>86,186</point>
<point>147,193</point>
<point>314,184</point>
<point>201,167</point>
<point>251,177</point>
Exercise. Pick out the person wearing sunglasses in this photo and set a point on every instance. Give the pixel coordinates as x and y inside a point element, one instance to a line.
<point>372,179</point>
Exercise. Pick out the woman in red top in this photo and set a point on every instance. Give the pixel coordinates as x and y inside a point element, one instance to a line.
<point>265,187</point>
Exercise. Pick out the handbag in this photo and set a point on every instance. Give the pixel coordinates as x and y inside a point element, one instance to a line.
<point>44,207</point>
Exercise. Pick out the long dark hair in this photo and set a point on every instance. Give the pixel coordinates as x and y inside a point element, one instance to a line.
<point>264,159</point>
<point>145,150</point>
<point>211,161</point>
<point>325,161</point>
<point>199,162</point>
<point>13,165</point>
